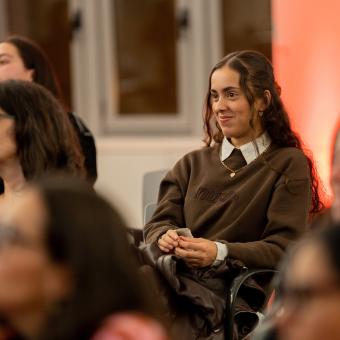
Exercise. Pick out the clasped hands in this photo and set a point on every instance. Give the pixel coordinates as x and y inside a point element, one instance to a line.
<point>196,252</point>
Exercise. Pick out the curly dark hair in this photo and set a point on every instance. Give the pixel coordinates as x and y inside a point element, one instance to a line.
<point>256,77</point>
<point>44,137</point>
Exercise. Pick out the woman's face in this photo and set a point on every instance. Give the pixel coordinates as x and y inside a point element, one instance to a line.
<point>311,304</point>
<point>232,109</point>
<point>11,64</point>
<point>29,280</point>
<point>8,149</point>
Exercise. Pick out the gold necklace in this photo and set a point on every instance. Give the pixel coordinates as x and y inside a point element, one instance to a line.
<point>232,171</point>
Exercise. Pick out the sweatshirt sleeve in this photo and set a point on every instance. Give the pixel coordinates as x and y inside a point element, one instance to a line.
<point>169,211</point>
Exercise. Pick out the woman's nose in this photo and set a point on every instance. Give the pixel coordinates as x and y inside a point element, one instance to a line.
<point>221,104</point>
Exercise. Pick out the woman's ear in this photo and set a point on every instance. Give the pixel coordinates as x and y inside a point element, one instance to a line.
<point>264,102</point>
<point>268,97</point>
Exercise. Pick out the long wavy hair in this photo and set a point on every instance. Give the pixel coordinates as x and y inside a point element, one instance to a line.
<point>257,76</point>
<point>43,134</point>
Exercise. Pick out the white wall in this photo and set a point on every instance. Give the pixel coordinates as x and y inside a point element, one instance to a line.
<point>122,161</point>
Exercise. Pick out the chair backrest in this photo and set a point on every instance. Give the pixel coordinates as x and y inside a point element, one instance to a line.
<point>149,209</point>
<point>151,181</point>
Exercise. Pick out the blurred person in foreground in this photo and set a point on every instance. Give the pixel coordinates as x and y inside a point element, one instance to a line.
<point>66,270</point>
<point>308,301</point>
<point>36,137</point>
<point>22,59</point>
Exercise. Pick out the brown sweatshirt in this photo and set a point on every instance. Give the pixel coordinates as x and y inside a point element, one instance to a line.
<point>256,213</point>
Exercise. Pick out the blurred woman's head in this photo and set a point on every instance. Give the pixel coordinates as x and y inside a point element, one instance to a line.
<point>311,289</point>
<point>65,260</point>
<point>23,59</point>
<point>37,131</point>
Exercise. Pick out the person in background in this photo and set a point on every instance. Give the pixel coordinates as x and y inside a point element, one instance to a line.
<point>249,193</point>
<point>66,268</point>
<point>36,137</point>
<point>23,59</point>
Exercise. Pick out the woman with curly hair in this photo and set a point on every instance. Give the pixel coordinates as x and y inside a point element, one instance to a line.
<point>250,191</point>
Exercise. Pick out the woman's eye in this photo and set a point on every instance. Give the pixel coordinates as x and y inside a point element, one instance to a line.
<point>231,94</point>
<point>213,95</point>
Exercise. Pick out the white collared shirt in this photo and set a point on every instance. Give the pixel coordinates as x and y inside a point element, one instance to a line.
<point>249,150</point>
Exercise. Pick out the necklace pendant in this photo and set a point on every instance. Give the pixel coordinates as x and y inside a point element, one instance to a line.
<point>232,174</point>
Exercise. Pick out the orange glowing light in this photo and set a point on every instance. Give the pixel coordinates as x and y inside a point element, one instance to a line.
<point>306,50</point>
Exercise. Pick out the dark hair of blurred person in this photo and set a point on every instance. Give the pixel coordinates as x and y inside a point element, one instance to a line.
<point>22,59</point>
<point>35,136</point>
<point>68,272</point>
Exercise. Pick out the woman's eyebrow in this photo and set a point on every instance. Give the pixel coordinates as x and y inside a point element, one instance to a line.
<point>228,88</point>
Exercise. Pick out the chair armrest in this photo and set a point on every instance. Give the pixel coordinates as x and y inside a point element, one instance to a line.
<point>241,278</point>
<point>233,292</point>
<point>136,236</point>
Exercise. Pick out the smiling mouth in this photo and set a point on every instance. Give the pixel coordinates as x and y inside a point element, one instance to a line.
<point>225,118</point>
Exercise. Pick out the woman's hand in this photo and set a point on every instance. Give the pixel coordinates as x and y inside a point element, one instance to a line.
<point>168,241</point>
<point>196,252</point>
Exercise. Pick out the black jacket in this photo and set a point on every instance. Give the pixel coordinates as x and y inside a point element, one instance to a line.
<point>195,299</point>
<point>88,147</point>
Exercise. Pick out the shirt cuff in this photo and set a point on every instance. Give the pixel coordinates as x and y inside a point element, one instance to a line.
<point>222,253</point>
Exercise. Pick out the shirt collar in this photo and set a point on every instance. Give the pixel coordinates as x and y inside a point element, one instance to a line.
<point>248,150</point>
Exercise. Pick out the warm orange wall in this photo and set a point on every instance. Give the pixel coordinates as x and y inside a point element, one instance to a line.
<point>306,57</point>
